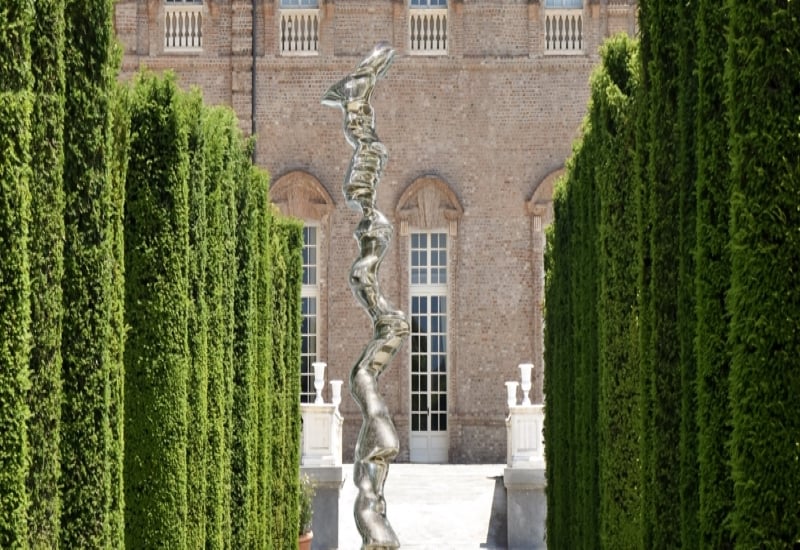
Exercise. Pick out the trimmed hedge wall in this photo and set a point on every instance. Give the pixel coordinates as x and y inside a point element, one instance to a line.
<point>156,310</point>
<point>715,485</point>
<point>16,105</point>
<point>762,83</point>
<point>189,435</point>
<point>87,440</point>
<point>46,267</point>
<point>703,332</point>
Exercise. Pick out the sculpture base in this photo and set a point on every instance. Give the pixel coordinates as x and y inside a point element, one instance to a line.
<point>526,508</point>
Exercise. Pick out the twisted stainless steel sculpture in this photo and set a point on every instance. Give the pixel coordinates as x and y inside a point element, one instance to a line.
<point>377,441</point>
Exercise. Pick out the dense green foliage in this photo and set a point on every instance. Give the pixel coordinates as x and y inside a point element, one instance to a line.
<point>713,279</point>
<point>88,294</point>
<point>286,243</point>
<point>141,404</point>
<point>685,176</point>
<point>46,247</point>
<point>197,383</point>
<point>156,312</point>
<point>594,397</point>
<point>698,338</point>
<point>613,88</point>
<point>762,81</point>
<point>203,253</point>
<point>16,104</point>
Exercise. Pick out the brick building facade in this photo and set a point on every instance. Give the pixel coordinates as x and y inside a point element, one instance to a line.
<point>478,113</point>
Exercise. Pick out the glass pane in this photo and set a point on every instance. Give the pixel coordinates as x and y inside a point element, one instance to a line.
<point>414,383</point>
<point>443,402</point>
<point>415,422</point>
<point>443,422</point>
<point>435,402</point>
<point>423,383</point>
<point>434,383</point>
<point>414,364</point>
<point>435,422</point>
<point>415,403</point>
<point>423,423</point>
<point>423,403</point>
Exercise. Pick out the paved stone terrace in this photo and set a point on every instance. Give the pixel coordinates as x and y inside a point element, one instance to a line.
<point>436,507</point>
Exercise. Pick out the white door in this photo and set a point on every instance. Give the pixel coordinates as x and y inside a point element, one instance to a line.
<point>429,440</point>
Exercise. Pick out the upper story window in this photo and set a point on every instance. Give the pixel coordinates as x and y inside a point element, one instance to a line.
<point>428,3</point>
<point>571,4</point>
<point>299,27</point>
<point>563,27</point>
<point>183,25</point>
<point>427,26</point>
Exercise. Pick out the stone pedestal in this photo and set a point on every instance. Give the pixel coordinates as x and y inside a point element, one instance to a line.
<point>322,435</point>
<point>526,507</point>
<point>328,481</point>
<point>524,428</point>
<point>321,461</point>
<point>524,479</point>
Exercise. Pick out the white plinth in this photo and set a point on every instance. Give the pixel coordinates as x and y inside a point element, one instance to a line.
<point>322,435</point>
<point>524,425</point>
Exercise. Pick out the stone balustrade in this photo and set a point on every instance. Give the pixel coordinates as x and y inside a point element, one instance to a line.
<point>428,31</point>
<point>183,27</point>
<point>299,32</point>
<point>563,32</point>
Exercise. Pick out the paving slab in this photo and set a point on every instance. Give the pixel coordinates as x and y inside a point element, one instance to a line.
<point>436,507</point>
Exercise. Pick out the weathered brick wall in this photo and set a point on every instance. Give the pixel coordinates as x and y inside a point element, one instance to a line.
<point>492,119</point>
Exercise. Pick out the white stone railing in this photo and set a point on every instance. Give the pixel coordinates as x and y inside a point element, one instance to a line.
<point>563,32</point>
<point>428,31</point>
<point>299,31</point>
<point>183,27</point>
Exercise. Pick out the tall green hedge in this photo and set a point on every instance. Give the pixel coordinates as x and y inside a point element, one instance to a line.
<point>120,139</point>
<point>16,104</point>
<point>661,392</point>
<point>286,243</point>
<point>245,406</point>
<point>86,436</point>
<point>590,353</point>
<point>156,296</point>
<point>762,82</point>
<point>715,485</point>
<point>46,263</point>
<point>197,384</point>
<point>685,176</point>
<point>263,360</point>
<point>220,279</point>
<point>614,86</point>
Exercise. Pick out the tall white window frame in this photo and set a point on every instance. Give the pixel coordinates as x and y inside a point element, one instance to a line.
<point>429,356</point>
<point>309,305</point>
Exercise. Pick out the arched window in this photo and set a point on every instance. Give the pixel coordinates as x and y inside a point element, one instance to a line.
<point>300,195</point>
<point>429,212</point>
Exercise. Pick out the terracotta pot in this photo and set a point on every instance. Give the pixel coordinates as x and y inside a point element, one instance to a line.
<point>305,540</point>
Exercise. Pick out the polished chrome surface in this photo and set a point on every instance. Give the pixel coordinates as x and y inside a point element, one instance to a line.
<point>377,441</point>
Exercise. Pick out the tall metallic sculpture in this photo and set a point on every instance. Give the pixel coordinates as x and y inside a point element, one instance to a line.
<point>377,441</point>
